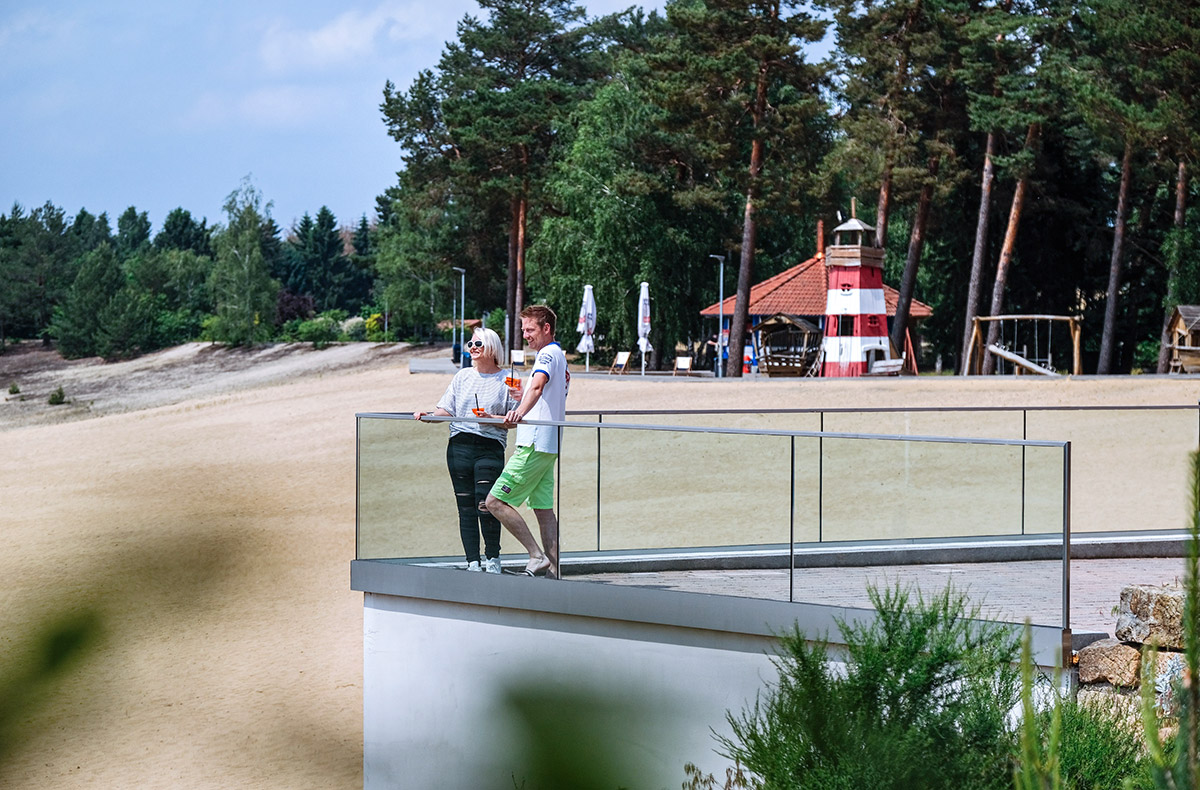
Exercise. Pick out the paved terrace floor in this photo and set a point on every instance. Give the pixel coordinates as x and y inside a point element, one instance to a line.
<point>1007,591</point>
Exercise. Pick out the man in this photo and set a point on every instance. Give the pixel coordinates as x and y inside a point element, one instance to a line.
<point>529,474</point>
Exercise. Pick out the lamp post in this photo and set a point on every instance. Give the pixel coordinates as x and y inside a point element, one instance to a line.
<point>720,315</point>
<point>462,312</point>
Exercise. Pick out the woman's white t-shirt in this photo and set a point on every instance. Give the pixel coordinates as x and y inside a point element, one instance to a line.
<point>469,387</point>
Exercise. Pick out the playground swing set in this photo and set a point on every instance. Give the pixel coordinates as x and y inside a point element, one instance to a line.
<point>1013,346</point>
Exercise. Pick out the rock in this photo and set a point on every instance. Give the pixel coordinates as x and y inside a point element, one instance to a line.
<point>1123,705</point>
<point>1151,614</point>
<point>1110,661</point>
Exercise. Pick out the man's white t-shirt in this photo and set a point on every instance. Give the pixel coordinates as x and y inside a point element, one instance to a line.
<point>552,405</point>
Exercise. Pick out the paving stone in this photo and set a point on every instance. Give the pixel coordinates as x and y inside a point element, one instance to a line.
<point>1006,591</point>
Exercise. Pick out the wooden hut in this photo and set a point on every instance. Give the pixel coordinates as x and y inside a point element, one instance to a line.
<point>1184,333</point>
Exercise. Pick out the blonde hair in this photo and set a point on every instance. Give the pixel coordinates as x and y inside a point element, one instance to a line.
<point>491,344</point>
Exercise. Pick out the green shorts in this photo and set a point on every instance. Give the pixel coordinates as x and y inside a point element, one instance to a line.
<point>528,475</point>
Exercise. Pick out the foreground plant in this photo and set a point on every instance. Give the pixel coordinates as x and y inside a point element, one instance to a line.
<point>922,703</point>
<point>1177,765</point>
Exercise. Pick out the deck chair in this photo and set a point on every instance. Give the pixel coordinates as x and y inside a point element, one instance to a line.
<point>518,359</point>
<point>619,364</point>
<point>682,365</point>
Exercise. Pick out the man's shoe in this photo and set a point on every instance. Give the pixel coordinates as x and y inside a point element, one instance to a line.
<point>474,567</point>
<point>492,565</point>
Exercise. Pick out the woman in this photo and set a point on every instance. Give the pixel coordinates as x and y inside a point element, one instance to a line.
<point>475,454</point>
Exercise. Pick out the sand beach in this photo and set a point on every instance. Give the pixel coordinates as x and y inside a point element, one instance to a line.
<point>194,510</point>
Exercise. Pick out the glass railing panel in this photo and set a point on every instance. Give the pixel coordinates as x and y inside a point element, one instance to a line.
<point>1043,491</point>
<point>877,490</point>
<point>963,424</point>
<point>576,496</point>
<point>674,489</point>
<point>406,506</point>
<point>1129,468</point>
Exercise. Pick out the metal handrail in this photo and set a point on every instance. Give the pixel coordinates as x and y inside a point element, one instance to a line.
<point>886,437</point>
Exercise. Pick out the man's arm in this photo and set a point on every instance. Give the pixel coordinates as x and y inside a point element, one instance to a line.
<point>537,383</point>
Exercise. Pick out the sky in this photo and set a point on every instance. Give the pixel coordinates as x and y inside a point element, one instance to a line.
<point>165,104</point>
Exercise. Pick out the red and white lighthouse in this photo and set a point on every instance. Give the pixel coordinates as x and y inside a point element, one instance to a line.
<point>856,331</point>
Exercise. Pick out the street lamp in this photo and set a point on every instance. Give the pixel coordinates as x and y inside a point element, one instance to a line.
<point>720,315</point>
<point>462,312</point>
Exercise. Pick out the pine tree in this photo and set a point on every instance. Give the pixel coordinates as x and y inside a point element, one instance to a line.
<point>734,77</point>
<point>899,64</point>
<point>89,231</point>
<point>78,321</point>
<point>1123,87</point>
<point>180,231</point>
<point>493,112</point>
<point>133,231</point>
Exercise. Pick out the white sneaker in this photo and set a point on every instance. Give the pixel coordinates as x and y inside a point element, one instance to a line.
<point>492,565</point>
<point>474,566</point>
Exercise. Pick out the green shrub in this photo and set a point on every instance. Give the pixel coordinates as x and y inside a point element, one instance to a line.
<point>289,332</point>
<point>354,329</point>
<point>13,389</point>
<point>1176,763</point>
<point>495,321</point>
<point>320,331</point>
<point>1098,749</point>
<point>924,678</point>
<point>57,398</point>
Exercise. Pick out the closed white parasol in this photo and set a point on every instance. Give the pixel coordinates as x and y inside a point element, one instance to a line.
<point>587,326</point>
<point>643,324</point>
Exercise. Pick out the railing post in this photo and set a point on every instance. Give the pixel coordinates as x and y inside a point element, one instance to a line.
<point>792,531</point>
<point>357,478</point>
<point>558,499</point>
<point>1024,449</point>
<point>599,419</point>
<point>821,483</point>
<point>1066,572</point>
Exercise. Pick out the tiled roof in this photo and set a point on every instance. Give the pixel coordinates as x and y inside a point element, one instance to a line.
<point>801,290</point>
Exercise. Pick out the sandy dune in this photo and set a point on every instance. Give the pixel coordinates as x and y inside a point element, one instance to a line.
<point>208,522</point>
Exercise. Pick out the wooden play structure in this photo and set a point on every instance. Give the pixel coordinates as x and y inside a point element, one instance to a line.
<point>1017,336</point>
<point>1183,330</point>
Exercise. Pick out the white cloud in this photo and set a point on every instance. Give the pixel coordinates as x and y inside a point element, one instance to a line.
<point>351,36</point>
<point>285,105</point>
<point>26,25</point>
<point>270,107</point>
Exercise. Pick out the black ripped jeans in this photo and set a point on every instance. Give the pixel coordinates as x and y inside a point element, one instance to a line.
<point>475,462</point>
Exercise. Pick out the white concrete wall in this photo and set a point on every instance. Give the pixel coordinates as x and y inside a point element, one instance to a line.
<point>658,671</point>
<point>435,673</point>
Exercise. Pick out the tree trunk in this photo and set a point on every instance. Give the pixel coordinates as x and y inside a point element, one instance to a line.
<point>510,285</point>
<point>981,231</point>
<point>1006,255</point>
<point>1164,347</point>
<point>741,306</point>
<point>1108,339</point>
<point>522,222</point>
<point>916,241</point>
<point>884,206</point>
